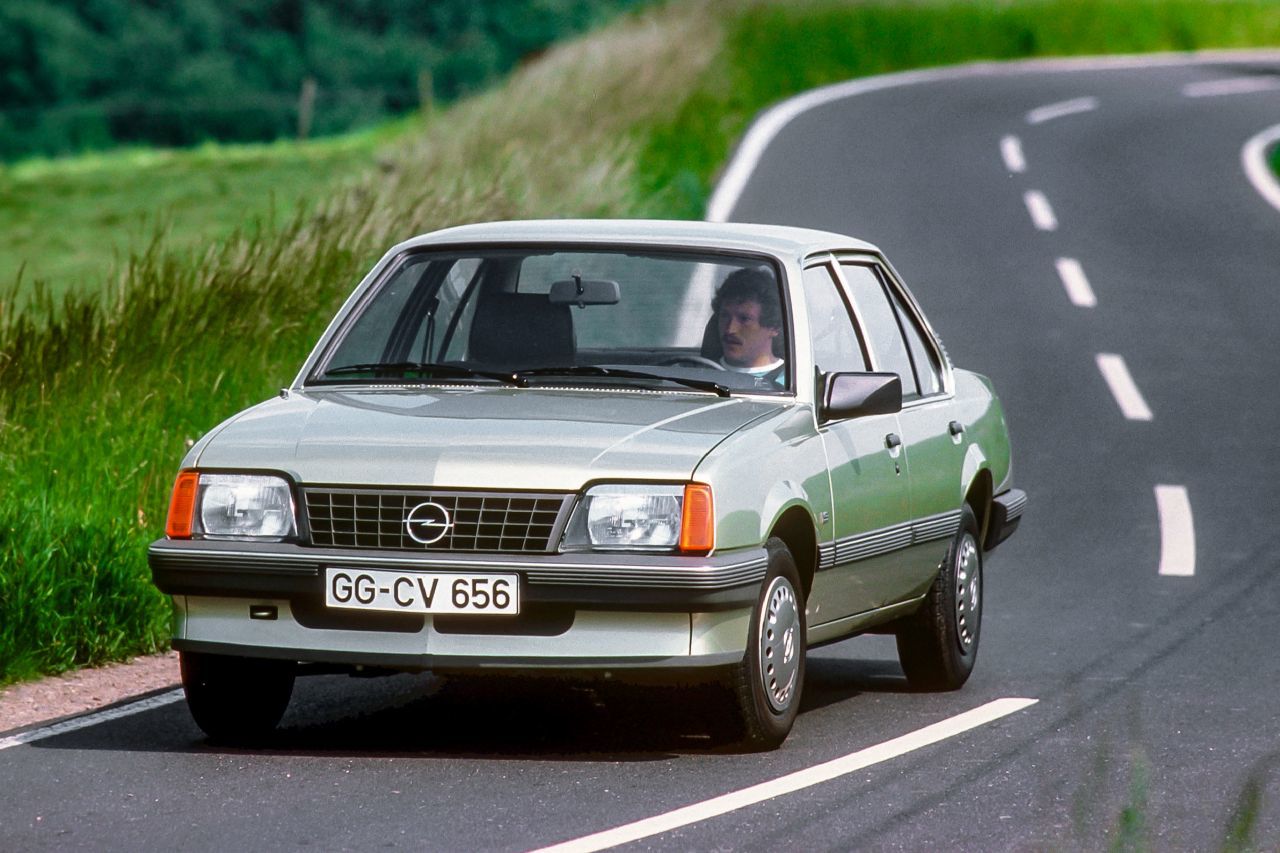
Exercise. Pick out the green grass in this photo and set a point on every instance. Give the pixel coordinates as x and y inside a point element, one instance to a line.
<point>106,379</point>
<point>69,224</point>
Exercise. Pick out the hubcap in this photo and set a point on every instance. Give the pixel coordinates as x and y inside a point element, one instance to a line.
<point>780,644</point>
<point>968,593</point>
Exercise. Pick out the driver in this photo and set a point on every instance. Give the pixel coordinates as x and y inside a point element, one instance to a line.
<point>749,317</point>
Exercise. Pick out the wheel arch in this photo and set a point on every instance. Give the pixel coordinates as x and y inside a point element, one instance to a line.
<point>978,496</point>
<point>795,527</point>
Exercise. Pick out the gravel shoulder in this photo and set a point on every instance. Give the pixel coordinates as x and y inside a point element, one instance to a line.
<point>74,693</point>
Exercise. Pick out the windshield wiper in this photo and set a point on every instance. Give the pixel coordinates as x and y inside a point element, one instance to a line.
<point>622,373</point>
<point>430,370</point>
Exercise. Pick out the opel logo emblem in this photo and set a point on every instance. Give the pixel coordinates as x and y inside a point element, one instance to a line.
<point>427,523</point>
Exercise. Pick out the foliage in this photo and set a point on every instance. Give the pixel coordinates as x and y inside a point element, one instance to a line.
<point>88,74</point>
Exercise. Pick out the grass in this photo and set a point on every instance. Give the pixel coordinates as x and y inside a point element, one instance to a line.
<point>106,379</point>
<point>71,224</point>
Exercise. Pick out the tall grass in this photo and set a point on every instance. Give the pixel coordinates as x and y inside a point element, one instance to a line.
<point>101,396</point>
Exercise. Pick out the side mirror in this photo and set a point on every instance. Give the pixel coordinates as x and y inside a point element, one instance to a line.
<point>853,395</point>
<point>584,291</point>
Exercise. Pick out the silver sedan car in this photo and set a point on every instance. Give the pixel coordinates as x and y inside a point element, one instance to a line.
<point>676,448</point>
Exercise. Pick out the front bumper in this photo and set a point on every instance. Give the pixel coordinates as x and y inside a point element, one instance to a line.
<point>599,581</point>
<point>578,612</point>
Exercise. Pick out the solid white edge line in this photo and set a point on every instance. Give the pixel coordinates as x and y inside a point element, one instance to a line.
<point>1011,151</point>
<point>770,123</point>
<point>76,723</point>
<point>1063,108</point>
<point>796,781</point>
<point>1077,286</point>
<point>1233,86</point>
<point>1254,159</point>
<point>1123,388</point>
<point>1177,532</point>
<point>1040,209</point>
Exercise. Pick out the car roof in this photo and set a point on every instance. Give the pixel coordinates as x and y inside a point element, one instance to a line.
<point>781,240</point>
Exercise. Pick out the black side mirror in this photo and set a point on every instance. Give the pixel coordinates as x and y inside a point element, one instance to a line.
<point>853,395</point>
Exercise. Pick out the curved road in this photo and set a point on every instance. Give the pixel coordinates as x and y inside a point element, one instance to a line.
<point>1087,235</point>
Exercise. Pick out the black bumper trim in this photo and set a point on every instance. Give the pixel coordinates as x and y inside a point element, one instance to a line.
<point>1006,513</point>
<point>455,663</point>
<point>597,581</point>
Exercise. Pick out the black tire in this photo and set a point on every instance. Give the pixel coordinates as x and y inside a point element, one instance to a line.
<point>235,699</point>
<point>938,644</point>
<point>768,682</point>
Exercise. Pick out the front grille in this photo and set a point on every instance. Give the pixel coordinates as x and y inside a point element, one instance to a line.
<point>488,522</point>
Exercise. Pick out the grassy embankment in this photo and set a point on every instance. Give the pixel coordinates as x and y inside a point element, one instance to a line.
<point>100,393</point>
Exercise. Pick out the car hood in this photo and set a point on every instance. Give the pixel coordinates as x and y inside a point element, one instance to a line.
<point>541,439</point>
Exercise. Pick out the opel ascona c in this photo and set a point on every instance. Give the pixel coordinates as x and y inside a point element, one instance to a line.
<point>680,449</point>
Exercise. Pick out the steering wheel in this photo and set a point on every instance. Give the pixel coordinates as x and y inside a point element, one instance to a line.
<point>694,360</point>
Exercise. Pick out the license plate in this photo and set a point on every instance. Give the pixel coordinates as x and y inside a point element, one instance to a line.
<point>422,592</point>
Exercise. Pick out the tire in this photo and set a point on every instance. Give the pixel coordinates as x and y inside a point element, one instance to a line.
<point>235,699</point>
<point>938,644</point>
<point>768,682</point>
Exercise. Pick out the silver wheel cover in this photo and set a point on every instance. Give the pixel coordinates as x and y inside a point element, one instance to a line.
<point>780,644</point>
<point>968,593</point>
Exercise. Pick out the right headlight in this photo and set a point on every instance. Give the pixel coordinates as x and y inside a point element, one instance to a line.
<point>231,506</point>
<point>643,517</point>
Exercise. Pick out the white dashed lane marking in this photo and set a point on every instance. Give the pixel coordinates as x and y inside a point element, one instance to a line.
<point>1123,388</point>
<point>1177,532</point>
<point>1233,86</point>
<point>1073,279</point>
<point>1064,108</point>
<point>1041,211</point>
<point>1011,151</point>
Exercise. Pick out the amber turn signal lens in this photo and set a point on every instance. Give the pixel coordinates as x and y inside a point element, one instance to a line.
<point>698,520</point>
<point>182,506</point>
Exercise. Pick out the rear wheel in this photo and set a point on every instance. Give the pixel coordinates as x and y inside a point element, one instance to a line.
<point>938,644</point>
<point>768,682</point>
<point>235,699</point>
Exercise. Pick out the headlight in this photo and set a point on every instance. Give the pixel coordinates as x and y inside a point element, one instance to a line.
<point>231,506</point>
<point>643,518</point>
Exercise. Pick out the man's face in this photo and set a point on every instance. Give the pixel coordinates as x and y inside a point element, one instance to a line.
<point>746,343</point>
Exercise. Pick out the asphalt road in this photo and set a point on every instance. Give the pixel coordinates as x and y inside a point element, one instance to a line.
<point>1155,720</point>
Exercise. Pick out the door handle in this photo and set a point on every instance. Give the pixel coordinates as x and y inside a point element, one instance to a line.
<point>891,441</point>
<point>955,428</point>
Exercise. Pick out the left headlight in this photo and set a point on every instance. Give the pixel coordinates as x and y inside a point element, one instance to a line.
<point>231,506</point>
<point>643,518</point>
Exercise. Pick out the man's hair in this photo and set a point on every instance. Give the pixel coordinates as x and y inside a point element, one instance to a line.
<point>752,284</point>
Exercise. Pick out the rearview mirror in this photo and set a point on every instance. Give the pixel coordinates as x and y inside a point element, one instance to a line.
<point>584,291</point>
<point>855,395</point>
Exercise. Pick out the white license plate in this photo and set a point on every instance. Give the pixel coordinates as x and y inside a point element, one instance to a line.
<point>422,592</point>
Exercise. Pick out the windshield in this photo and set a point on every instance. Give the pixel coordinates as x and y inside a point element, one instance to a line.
<point>616,317</point>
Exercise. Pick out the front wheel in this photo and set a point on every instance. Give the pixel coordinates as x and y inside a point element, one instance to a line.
<point>235,699</point>
<point>768,682</point>
<point>938,644</point>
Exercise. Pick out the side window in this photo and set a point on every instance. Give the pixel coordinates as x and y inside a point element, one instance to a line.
<point>928,373</point>
<point>831,329</point>
<point>880,325</point>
